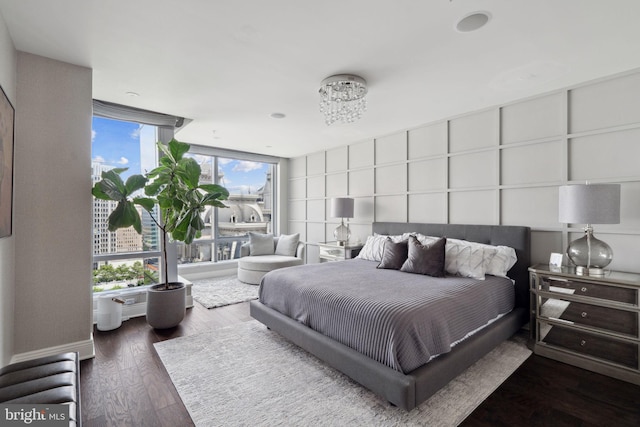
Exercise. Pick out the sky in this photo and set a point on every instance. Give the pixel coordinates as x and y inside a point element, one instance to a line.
<point>117,143</point>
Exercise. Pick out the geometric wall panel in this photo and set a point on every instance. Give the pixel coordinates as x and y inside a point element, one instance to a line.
<point>473,170</point>
<point>430,207</point>
<point>473,207</point>
<point>606,155</point>
<point>536,206</point>
<point>425,175</point>
<point>428,141</point>
<point>473,131</point>
<point>532,163</point>
<point>501,165</point>
<point>533,119</point>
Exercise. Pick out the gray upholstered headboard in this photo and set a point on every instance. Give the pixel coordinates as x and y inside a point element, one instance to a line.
<point>517,237</point>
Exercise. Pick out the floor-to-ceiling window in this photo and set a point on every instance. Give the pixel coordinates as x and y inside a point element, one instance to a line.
<point>122,258</point>
<point>124,137</point>
<point>250,180</point>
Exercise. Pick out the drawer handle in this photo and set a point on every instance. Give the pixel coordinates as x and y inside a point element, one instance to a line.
<point>583,343</point>
<point>583,314</point>
<point>583,289</point>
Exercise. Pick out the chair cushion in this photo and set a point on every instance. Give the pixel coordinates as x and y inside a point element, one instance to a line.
<point>287,244</point>
<point>268,262</point>
<point>261,244</point>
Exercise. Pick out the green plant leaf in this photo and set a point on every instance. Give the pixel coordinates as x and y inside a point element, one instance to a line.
<point>98,193</point>
<point>196,222</point>
<point>146,202</point>
<point>164,148</point>
<point>135,183</point>
<point>113,186</point>
<point>216,203</point>
<point>215,188</point>
<point>123,216</point>
<point>189,170</point>
<point>153,188</point>
<point>178,149</point>
<point>118,170</point>
<point>166,162</point>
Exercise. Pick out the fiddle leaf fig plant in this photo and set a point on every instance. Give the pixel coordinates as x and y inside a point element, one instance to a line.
<point>173,186</point>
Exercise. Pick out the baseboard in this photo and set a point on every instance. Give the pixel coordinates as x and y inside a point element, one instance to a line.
<point>85,349</point>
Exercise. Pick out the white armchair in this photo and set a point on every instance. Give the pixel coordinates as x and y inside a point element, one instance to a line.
<point>251,268</point>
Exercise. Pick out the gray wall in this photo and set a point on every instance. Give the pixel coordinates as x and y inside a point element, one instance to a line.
<point>8,60</point>
<point>52,211</point>
<point>502,165</point>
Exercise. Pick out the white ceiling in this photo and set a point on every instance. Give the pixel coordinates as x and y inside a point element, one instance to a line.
<point>229,64</point>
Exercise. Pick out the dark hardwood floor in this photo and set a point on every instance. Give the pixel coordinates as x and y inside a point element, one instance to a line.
<point>127,385</point>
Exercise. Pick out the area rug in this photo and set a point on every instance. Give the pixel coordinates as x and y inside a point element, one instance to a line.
<point>220,291</point>
<point>248,375</point>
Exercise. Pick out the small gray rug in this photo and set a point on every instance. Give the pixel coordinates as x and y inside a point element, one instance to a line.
<point>248,375</point>
<point>220,291</point>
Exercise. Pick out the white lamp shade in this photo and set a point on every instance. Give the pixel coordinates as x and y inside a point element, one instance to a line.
<point>590,204</point>
<point>342,207</point>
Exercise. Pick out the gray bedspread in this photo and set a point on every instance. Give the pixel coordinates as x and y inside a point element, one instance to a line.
<point>399,319</point>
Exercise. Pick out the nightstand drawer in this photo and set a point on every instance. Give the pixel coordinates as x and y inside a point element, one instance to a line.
<point>620,352</point>
<point>332,253</point>
<point>612,293</point>
<point>625,322</point>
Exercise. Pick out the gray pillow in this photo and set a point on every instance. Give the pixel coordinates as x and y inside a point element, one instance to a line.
<point>287,244</point>
<point>394,254</point>
<point>425,259</point>
<point>260,244</point>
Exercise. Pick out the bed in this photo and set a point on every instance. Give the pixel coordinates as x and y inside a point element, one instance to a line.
<point>406,384</point>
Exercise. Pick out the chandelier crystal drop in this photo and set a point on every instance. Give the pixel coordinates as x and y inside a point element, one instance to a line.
<point>342,98</point>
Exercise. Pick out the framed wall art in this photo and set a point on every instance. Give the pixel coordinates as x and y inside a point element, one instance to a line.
<point>7,114</point>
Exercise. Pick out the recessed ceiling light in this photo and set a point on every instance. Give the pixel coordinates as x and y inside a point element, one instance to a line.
<point>473,21</point>
<point>277,115</point>
<point>132,94</point>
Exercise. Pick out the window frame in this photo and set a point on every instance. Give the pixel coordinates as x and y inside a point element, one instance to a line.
<point>165,125</point>
<point>217,153</point>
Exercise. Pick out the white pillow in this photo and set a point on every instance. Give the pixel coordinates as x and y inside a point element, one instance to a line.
<point>374,245</point>
<point>287,244</point>
<point>462,258</point>
<point>425,240</point>
<point>501,263</point>
<point>260,244</point>
<point>373,248</point>
<point>468,259</point>
<point>397,238</point>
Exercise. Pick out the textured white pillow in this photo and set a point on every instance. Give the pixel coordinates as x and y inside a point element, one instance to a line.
<point>424,239</point>
<point>468,259</point>
<point>374,245</point>
<point>397,238</point>
<point>501,263</point>
<point>373,248</point>
<point>287,244</point>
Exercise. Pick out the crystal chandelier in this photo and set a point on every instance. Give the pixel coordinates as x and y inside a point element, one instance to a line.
<point>342,98</point>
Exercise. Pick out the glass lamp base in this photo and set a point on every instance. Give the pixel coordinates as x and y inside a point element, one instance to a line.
<point>342,234</point>
<point>590,255</point>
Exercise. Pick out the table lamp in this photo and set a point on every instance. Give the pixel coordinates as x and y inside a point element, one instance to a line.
<point>342,207</point>
<point>590,204</point>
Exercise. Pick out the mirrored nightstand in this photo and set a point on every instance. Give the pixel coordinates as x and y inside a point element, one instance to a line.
<point>332,251</point>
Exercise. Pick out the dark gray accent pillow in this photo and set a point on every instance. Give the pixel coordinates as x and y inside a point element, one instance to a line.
<point>425,259</point>
<point>261,244</point>
<point>394,254</point>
